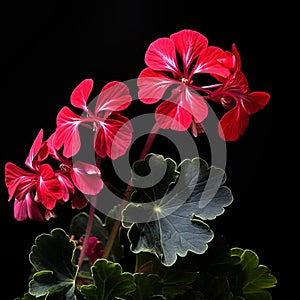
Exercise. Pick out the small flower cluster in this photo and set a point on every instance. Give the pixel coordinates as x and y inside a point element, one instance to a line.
<point>174,68</point>
<point>94,248</point>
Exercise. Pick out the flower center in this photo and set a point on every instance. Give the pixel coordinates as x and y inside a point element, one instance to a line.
<point>64,167</point>
<point>227,102</point>
<point>184,80</point>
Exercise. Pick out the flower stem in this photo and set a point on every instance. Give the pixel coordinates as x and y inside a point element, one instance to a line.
<point>87,231</point>
<point>117,223</point>
<point>149,141</point>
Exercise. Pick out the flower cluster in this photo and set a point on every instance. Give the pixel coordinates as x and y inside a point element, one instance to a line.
<point>175,63</point>
<point>172,76</point>
<point>94,248</point>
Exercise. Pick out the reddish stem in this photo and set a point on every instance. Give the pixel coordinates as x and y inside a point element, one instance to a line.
<point>116,226</point>
<point>87,231</point>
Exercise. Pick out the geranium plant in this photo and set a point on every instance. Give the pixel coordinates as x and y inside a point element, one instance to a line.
<point>162,205</point>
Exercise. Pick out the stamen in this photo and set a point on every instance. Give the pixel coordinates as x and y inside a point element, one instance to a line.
<point>184,80</point>
<point>227,102</point>
<point>95,127</point>
<point>64,167</point>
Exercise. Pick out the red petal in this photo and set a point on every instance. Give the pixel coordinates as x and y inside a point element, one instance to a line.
<point>114,137</point>
<point>48,188</point>
<point>27,208</point>
<point>236,54</point>
<point>233,123</point>
<point>182,106</point>
<point>87,178</point>
<point>229,61</point>
<point>114,96</point>
<point>79,201</point>
<point>33,209</point>
<point>196,129</point>
<point>81,94</point>
<point>169,115</point>
<point>51,148</point>
<point>18,181</point>
<point>195,104</point>
<point>48,214</point>
<point>152,85</point>
<point>94,249</point>
<point>66,185</point>
<point>100,144</point>
<point>34,150</point>
<point>161,56</point>
<point>189,44</point>
<point>67,133</point>
<point>210,60</point>
<point>255,101</point>
<point>20,210</point>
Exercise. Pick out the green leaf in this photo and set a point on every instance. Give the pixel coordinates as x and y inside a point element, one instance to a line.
<point>175,279</point>
<point>51,256</point>
<point>155,174</point>
<point>212,287</point>
<point>27,296</point>
<point>109,281</point>
<point>218,261</point>
<point>174,212</point>
<point>257,278</point>
<point>79,224</point>
<point>146,287</point>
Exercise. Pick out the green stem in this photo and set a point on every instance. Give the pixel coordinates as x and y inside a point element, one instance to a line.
<point>117,223</point>
<point>87,231</point>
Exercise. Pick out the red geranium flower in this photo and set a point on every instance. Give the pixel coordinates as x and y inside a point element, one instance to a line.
<point>113,131</point>
<point>94,248</point>
<point>37,190</point>
<point>172,63</point>
<point>235,96</point>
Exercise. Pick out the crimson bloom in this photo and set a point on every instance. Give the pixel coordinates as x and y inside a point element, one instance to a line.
<point>234,94</point>
<point>172,64</point>
<point>94,249</point>
<point>113,131</point>
<point>37,190</point>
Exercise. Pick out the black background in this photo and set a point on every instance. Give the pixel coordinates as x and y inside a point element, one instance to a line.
<point>46,50</point>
